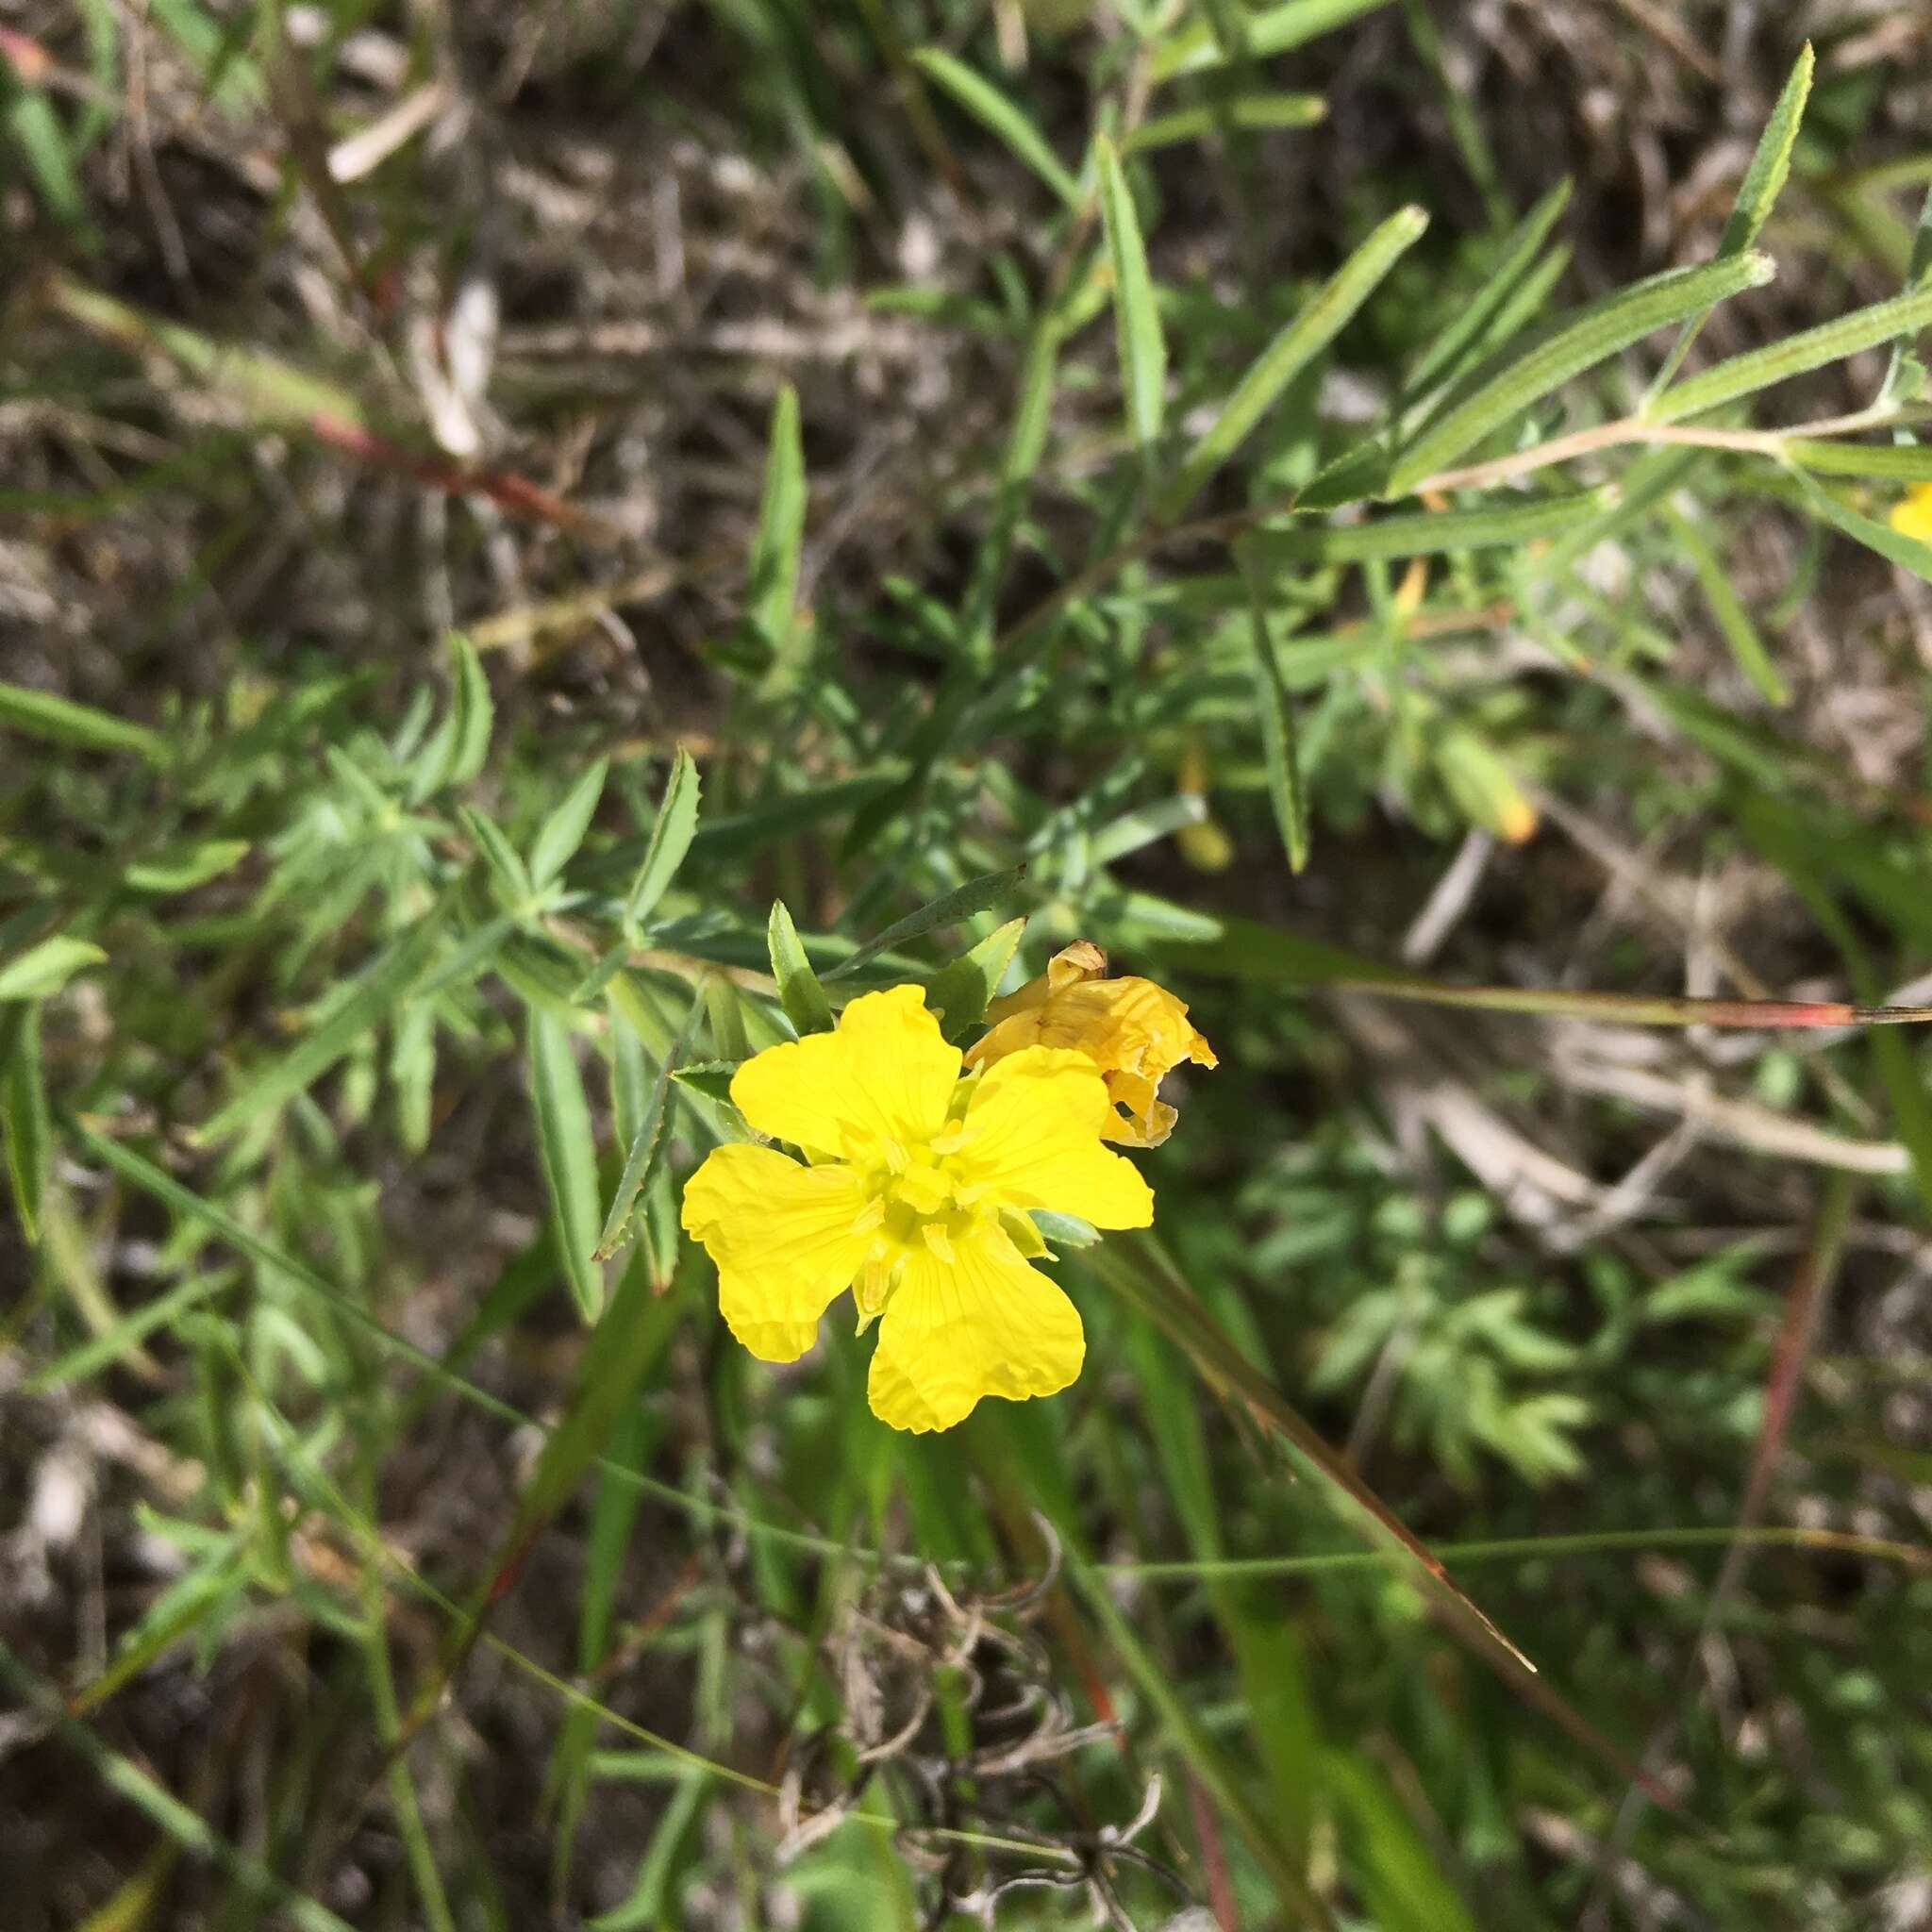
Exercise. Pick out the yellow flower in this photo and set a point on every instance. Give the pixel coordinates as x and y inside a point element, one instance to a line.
<point>913,1192</point>
<point>1134,1031</point>
<point>1912,515</point>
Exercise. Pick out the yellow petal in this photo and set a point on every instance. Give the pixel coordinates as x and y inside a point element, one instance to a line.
<point>984,1324</point>
<point>1033,1140</point>
<point>784,1238</point>
<point>1134,1031</point>
<point>886,1074</point>
<point>1912,517</point>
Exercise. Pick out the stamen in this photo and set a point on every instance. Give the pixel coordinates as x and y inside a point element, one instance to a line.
<point>870,1216</point>
<point>939,1240</point>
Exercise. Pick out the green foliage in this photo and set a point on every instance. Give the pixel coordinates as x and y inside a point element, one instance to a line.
<point>1266,595</point>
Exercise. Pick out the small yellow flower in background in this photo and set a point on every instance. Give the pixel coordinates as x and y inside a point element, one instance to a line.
<point>1912,515</point>
<point>1134,1031</point>
<point>913,1192</point>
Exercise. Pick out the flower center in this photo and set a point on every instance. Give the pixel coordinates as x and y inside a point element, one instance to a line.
<point>918,1199</point>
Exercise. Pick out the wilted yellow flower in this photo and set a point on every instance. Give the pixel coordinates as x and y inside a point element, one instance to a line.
<point>914,1193</point>
<point>1911,516</point>
<point>1134,1031</point>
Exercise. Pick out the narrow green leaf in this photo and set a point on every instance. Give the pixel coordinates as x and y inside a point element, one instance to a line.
<point>643,1146</point>
<point>1903,374</point>
<point>563,831</point>
<point>184,867</point>
<point>24,1119</point>
<point>974,895</point>
<point>1812,349</point>
<point>457,747</point>
<point>994,112</point>
<point>1423,533</point>
<point>60,721</point>
<point>777,545</point>
<point>1137,321</point>
<point>508,872</point>
<point>368,1000</point>
<point>671,837</point>
<point>1523,373</point>
<point>1253,113</point>
<point>45,968</point>
<point>1443,358</point>
<point>712,1079</point>
<point>1270,30</point>
<point>1291,351</point>
<point>1285,792</point>
<point>799,991</point>
<point>1893,546</point>
<point>1763,181</point>
<point>1480,779</point>
<point>569,1153</point>
<point>37,132</point>
<point>1897,463</point>
<point>472,709</point>
<point>120,1337</point>
<point>960,992</point>
<point>1727,609</point>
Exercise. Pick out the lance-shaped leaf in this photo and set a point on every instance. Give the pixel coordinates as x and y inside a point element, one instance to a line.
<point>563,831</point>
<point>960,994</point>
<point>671,836</point>
<point>1270,30</point>
<point>23,1117</point>
<point>45,967</point>
<point>974,895</point>
<point>799,991</point>
<point>645,1140</point>
<point>994,110</point>
<point>1524,372</point>
<point>1423,533</point>
<point>1291,351</point>
<point>779,546</point>
<point>569,1153</point>
<point>60,721</point>
<point>1142,347</point>
<point>1811,348</point>
<point>1442,359</point>
<point>1756,194</point>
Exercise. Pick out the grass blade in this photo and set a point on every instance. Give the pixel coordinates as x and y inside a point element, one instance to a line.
<point>777,545</point>
<point>1291,351</point>
<point>995,112</point>
<point>1424,533</point>
<point>1285,792</point>
<point>367,1001</point>
<point>60,721</point>
<point>1252,113</point>
<point>1142,346</point>
<point>569,1153</point>
<point>1763,181</point>
<point>644,1147</point>
<point>45,967</point>
<point>1727,609</point>
<point>24,1119</point>
<point>1811,348</point>
<point>1518,376</point>
<point>799,991</point>
<point>671,836</point>
<point>1270,30</point>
